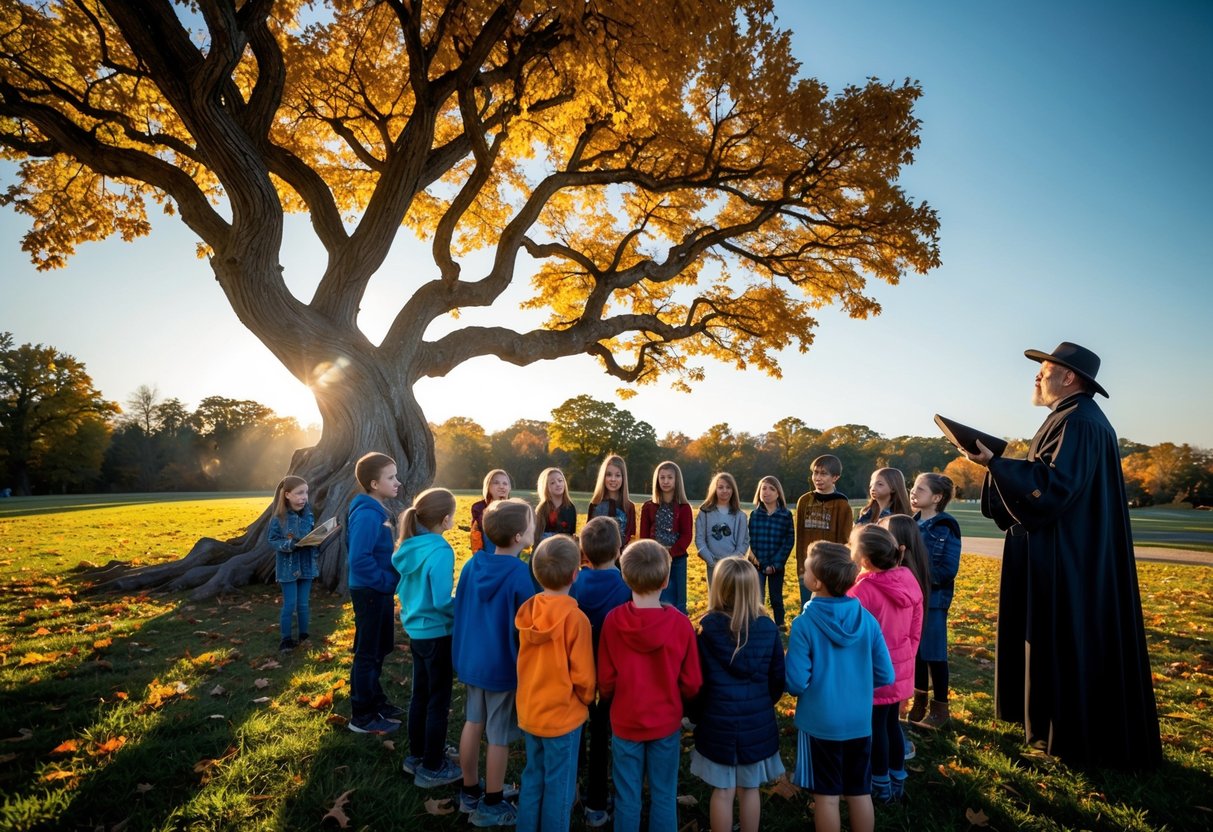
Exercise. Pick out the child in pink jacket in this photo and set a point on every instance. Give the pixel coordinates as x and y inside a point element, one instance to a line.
<point>893,595</point>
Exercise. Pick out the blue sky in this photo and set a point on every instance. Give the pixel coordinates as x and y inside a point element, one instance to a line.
<point>1064,145</point>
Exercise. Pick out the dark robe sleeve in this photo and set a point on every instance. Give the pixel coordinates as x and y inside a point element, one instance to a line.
<point>1037,492</point>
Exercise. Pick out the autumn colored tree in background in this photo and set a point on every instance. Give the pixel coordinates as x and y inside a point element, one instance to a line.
<point>53,422</point>
<point>680,203</point>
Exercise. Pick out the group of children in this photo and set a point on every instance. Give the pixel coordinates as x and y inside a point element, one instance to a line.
<point>601,665</point>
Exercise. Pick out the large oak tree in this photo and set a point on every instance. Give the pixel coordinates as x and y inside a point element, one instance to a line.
<point>684,193</point>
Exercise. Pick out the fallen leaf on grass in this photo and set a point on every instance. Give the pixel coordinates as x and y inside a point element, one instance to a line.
<point>66,747</point>
<point>687,800</point>
<point>37,658</point>
<point>337,813</point>
<point>261,700</point>
<point>434,806</point>
<point>216,716</point>
<point>102,643</point>
<point>108,747</point>
<point>336,719</point>
<point>42,631</point>
<point>390,745</point>
<point>23,734</point>
<point>144,788</point>
<point>270,665</point>
<point>785,789</point>
<point>218,690</point>
<point>976,817</point>
<point>319,702</point>
<point>52,776</point>
<point>261,683</point>
<point>8,758</point>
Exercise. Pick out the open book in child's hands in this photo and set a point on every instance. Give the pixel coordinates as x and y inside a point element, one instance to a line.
<point>319,534</point>
<point>965,437</point>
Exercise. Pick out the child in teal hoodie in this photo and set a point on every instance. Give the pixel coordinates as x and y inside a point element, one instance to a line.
<point>426,563</point>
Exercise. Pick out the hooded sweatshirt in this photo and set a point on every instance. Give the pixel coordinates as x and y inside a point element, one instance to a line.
<point>836,658</point>
<point>426,563</point>
<point>484,646</point>
<point>895,599</point>
<point>555,665</point>
<point>648,663</point>
<point>597,592</point>
<point>735,711</point>
<point>369,544</point>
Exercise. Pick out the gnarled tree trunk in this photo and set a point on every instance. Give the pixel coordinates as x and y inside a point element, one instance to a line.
<point>361,414</point>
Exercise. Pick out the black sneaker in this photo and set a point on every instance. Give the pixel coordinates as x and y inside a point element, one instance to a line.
<point>373,724</point>
<point>392,713</point>
<point>286,645</point>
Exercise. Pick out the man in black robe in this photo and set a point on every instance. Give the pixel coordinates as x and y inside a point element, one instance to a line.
<point>1071,661</point>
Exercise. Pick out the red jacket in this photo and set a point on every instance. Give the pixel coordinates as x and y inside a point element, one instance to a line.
<point>684,525</point>
<point>648,663</point>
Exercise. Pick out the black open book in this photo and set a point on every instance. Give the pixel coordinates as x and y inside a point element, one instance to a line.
<point>965,437</point>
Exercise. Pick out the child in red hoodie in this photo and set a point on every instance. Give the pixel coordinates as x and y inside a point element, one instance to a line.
<point>648,665</point>
<point>555,686</point>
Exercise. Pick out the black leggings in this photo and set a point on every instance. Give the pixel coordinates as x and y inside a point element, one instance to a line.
<point>939,677</point>
<point>888,743</point>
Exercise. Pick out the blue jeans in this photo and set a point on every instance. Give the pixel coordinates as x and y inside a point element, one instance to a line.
<point>431,702</point>
<point>675,592</point>
<point>631,762</point>
<point>374,638</point>
<point>549,782</point>
<point>296,601</point>
<point>772,585</point>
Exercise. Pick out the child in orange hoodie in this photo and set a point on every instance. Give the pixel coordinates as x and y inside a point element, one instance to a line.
<point>555,686</point>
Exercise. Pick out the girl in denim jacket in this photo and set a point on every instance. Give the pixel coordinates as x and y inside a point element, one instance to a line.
<point>294,568</point>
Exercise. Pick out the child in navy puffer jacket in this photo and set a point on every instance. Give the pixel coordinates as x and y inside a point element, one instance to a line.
<point>736,738</point>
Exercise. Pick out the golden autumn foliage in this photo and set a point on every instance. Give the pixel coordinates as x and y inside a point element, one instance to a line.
<point>698,201</point>
<point>674,189</point>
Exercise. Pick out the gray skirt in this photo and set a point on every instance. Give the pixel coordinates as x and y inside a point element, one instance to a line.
<point>748,776</point>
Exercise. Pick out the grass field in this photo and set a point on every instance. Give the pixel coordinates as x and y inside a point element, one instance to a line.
<point>155,712</point>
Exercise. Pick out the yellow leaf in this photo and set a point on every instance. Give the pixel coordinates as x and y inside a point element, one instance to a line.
<point>52,776</point>
<point>42,631</point>
<point>102,643</point>
<point>66,747</point>
<point>37,658</point>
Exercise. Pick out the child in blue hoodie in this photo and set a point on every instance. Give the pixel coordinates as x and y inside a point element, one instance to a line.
<point>426,563</point>
<point>599,588</point>
<point>836,659</point>
<point>485,649</point>
<point>372,580</point>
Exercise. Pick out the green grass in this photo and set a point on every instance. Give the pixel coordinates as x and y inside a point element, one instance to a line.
<point>154,712</point>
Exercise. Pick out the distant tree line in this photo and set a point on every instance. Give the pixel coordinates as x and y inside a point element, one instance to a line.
<point>59,435</point>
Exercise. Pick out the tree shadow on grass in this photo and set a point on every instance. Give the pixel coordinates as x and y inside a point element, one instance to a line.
<point>142,723</point>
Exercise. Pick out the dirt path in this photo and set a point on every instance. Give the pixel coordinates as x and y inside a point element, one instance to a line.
<point>992,547</point>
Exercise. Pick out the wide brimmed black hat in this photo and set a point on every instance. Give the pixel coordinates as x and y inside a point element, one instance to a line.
<point>1073,357</point>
